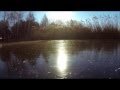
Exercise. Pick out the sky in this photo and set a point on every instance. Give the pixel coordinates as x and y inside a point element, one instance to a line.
<point>75,15</point>
<point>68,15</point>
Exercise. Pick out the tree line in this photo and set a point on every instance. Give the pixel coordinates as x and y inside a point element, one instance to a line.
<point>20,25</point>
<point>16,25</point>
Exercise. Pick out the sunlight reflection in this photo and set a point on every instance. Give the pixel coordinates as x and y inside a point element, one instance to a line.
<point>62,60</point>
<point>62,57</point>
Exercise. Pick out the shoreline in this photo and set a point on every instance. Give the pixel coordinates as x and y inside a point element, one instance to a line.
<point>31,41</point>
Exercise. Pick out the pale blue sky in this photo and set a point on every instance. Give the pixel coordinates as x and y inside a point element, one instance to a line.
<point>79,15</point>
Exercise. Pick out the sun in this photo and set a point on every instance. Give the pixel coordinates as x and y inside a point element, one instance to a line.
<point>60,15</point>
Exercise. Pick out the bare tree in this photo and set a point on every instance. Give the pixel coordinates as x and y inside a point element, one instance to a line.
<point>30,20</point>
<point>44,21</point>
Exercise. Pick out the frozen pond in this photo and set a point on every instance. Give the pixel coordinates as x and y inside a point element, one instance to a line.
<point>60,59</point>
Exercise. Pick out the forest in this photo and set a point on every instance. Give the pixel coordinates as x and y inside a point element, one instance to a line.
<point>23,26</point>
